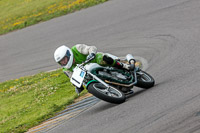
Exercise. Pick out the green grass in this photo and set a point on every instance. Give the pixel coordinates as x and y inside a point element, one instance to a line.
<point>17,14</point>
<point>28,101</point>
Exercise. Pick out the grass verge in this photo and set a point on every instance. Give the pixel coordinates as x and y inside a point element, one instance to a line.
<point>27,101</point>
<point>17,14</point>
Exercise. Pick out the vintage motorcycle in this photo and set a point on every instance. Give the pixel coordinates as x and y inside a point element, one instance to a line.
<point>108,83</point>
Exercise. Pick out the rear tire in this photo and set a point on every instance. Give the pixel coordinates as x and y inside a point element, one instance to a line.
<point>145,80</point>
<point>111,95</point>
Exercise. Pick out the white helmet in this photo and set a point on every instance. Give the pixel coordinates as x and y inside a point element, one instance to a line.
<point>61,52</point>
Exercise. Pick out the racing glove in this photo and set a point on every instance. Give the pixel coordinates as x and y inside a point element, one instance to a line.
<point>91,56</point>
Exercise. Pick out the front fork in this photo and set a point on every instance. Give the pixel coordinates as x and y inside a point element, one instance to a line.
<point>98,79</point>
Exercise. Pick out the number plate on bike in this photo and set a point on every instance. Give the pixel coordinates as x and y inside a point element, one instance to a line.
<point>77,77</point>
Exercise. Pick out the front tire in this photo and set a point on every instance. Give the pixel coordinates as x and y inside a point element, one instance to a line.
<point>111,95</point>
<point>145,80</point>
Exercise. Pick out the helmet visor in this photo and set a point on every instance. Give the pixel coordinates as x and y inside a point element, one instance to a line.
<point>65,59</point>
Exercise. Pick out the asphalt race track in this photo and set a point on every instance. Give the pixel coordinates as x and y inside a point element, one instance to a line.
<point>165,32</point>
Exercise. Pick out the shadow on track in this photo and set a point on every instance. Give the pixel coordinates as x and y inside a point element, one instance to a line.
<point>105,105</point>
<point>135,94</point>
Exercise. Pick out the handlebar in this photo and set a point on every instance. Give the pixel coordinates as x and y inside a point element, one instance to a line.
<point>85,62</point>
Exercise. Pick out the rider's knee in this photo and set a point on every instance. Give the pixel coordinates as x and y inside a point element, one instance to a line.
<point>108,59</point>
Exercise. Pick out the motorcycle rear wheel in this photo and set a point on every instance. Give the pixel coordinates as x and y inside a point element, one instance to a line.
<point>145,80</point>
<point>111,94</point>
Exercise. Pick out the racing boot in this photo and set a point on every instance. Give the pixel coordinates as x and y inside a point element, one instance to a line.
<point>117,64</point>
<point>121,65</point>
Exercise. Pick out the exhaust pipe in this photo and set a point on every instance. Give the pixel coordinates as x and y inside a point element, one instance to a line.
<point>130,59</point>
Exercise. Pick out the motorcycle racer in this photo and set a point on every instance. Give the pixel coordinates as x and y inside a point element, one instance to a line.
<point>68,58</point>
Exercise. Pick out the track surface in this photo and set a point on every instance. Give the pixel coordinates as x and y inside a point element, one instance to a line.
<point>165,32</point>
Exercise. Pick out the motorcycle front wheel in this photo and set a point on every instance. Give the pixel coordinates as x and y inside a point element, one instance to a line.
<point>110,94</point>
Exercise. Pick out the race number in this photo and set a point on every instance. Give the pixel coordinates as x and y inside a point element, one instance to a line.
<point>77,77</point>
